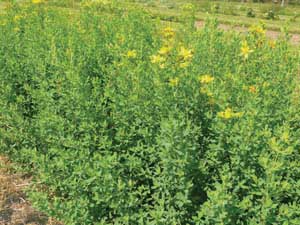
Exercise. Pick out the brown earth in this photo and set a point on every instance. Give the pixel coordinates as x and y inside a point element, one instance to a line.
<point>295,38</point>
<point>14,208</point>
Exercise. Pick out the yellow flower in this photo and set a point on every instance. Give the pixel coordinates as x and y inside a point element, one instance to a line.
<point>86,4</point>
<point>184,65</point>
<point>205,79</point>
<point>16,29</point>
<point>260,30</point>
<point>17,18</point>
<point>131,54</point>
<point>104,2</point>
<point>37,1</point>
<point>228,114</point>
<point>245,50</point>
<point>272,44</point>
<point>205,91</point>
<point>188,6</point>
<point>162,66</point>
<point>185,54</point>
<point>174,82</point>
<point>121,39</point>
<point>168,32</point>
<point>157,59</point>
<point>164,50</point>
<point>257,30</point>
<point>238,114</point>
<point>265,84</point>
<point>252,89</point>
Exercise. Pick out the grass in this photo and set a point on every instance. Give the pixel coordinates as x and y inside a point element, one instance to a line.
<point>228,12</point>
<point>2,5</point>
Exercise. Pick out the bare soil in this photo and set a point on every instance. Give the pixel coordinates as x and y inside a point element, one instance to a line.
<point>294,38</point>
<point>14,208</point>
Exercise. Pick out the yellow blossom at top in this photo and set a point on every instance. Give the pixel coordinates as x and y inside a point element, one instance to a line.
<point>185,54</point>
<point>37,1</point>
<point>121,39</point>
<point>272,44</point>
<point>164,50</point>
<point>245,50</point>
<point>17,18</point>
<point>265,84</point>
<point>157,59</point>
<point>168,32</point>
<point>205,79</point>
<point>174,82</point>
<point>162,66</point>
<point>188,6</point>
<point>252,89</point>
<point>104,2</point>
<point>257,30</point>
<point>184,64</point>
<point>131,54</point>
<point>228,114</point>
<point>206,91</point>
<point>16,29</point>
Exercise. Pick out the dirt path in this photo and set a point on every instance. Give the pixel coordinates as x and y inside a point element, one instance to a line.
<point>14,208</point>
<point>295,38</point>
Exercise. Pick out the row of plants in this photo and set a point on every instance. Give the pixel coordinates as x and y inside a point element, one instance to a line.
<point>123,119</point>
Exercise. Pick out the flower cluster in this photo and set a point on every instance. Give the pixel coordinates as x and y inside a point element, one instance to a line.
<point>131,54</point>
<point>205,79</point>
<point>245,50</point>
<point>37,1</point>
<point>257,30</point>
<point>229,114</point>
<point>168,33</point>
<point>185,57</point>
<point>174,82</point>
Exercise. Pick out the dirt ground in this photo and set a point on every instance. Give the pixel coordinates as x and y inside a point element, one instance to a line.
<point>295,38</point>
<point>14,208</point>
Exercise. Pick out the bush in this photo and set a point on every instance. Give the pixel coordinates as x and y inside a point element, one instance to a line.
<point>125,121</point>
<point>215,8</point>
<point>250,12</point>
<point>270,15</point>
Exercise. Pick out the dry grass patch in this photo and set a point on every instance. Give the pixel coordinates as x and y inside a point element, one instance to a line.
<point>14,208</point>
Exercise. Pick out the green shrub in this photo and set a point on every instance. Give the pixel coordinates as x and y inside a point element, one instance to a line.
<point>270,15</point>
<point>215,8</point>
<point>126,121</point>
<point>250,12</point>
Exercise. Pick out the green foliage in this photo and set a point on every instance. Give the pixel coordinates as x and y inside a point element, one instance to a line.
<point>125,121</point>
<point>250,12</point>
<point>215,8</point>
<point>270,15</point>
